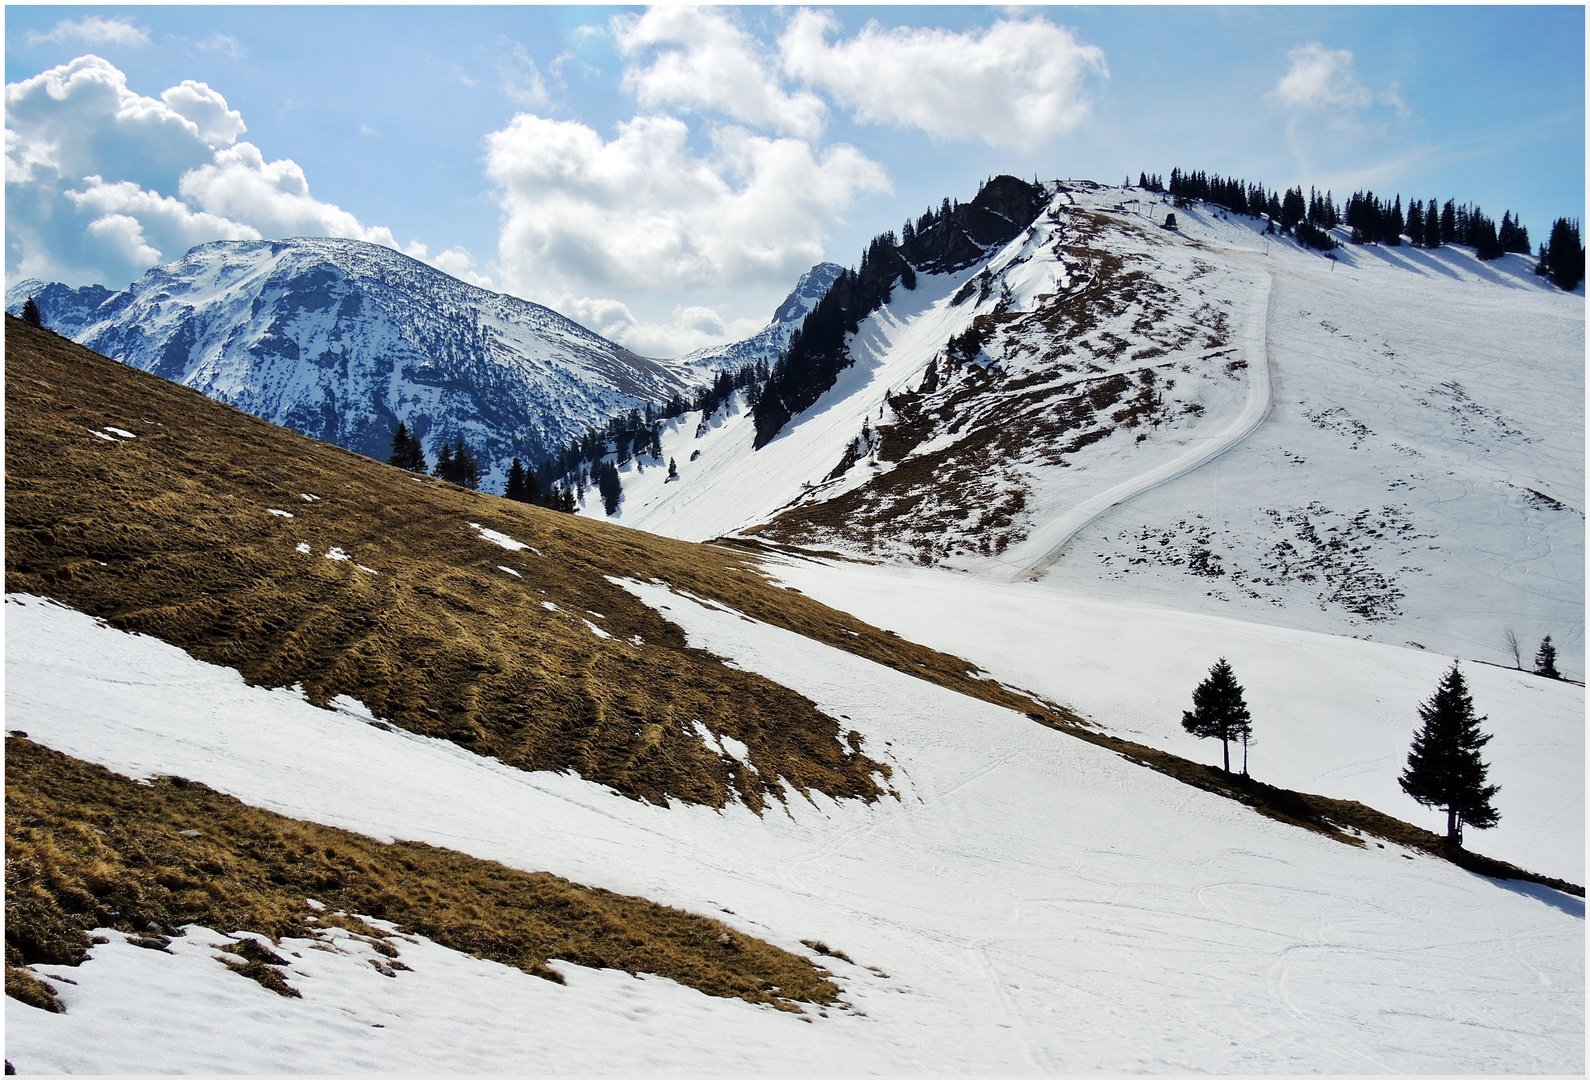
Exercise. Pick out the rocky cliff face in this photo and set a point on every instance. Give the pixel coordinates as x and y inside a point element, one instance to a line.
<point>342,340</point>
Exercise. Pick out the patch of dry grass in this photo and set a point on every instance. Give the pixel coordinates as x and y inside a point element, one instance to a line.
<point>86,848</point>
<point>171,534</point>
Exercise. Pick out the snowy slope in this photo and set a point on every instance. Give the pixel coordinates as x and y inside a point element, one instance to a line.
<point>341,340</point>
<point>1035,903</point>
<point>1387,445</point>
<point>1331,715</point>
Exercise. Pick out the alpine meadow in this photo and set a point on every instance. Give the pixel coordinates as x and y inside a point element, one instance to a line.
<point>795,541</point>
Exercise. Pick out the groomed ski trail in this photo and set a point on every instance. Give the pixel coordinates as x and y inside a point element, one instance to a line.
<point>1062,530</point>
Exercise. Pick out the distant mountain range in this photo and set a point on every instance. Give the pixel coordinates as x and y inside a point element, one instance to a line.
<point>771,341</point>
<point>342,340</point>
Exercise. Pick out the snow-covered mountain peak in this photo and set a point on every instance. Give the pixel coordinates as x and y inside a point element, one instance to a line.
<point>342,340</point>
<point>770,341</point>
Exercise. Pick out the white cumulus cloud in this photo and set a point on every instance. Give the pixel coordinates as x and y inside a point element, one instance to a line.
<point>103,182</point>
<point>1017,83</point>
<point>92,30</point>
<point>584,215</point>
<point>698,59</point>
<point>689,328</point>
<point>207,111</point>
<point>1321,79</point>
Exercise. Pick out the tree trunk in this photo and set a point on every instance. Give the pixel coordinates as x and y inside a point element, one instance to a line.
<point>1225,746</point>
<point>1453,834</point>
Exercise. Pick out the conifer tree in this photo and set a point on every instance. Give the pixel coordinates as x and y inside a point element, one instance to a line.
<point>521,485</point>
<point>465,472</point>
<point>1292,208</point>
<point>1432,226</point>
<point>1562,258</point>
<point>1482,234</point>
<point>1512,235</point>
<point>1218,711</point>
<point>611,487</point>
<point>673,470</point>
<point>401,454</point>
<point>444,463</point>
<point>1445,770</point>
<point>30,313</point>
<point>1546,659</point>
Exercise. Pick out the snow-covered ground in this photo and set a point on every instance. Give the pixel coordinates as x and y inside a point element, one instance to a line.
<point>1393,450</point>
<point>1331,715</point>
<point>1423,455</point>
<point>1037,903</point>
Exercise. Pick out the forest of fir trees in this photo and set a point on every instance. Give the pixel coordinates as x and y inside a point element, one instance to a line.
<point>1375,220</point>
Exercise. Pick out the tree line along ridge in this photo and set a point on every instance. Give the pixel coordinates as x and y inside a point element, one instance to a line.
<point>951,237</point>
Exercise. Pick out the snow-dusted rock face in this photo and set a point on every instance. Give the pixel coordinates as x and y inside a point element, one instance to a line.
<point>1388,444</point>
<point>341,340</point>
<point>768,342</point>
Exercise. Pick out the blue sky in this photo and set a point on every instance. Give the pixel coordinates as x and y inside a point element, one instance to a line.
<point>664,175</point>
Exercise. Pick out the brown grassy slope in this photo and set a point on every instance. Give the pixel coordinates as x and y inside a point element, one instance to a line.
<point>170,534</point>
<point>967,498</point>
<point>442,641</point>
<point>86,848</point>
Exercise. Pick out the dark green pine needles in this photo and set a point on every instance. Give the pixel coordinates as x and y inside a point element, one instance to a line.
<point>1444,766</point>
<point>1218,710</point>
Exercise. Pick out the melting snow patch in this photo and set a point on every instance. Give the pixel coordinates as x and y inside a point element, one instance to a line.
<point>597,630</point>
<point>304,495</point>
<point>507,570</point>
<point>367,570</point>
<point>281,513</point>
<point>724,745</point>
<point>736,749</point>
<point>336,554</point>
<point>637,641</point>
<point>123,432</point>
<point>303,549</point>
<point>549,605</point>
<point>500,539</point>
<point>102,435</point>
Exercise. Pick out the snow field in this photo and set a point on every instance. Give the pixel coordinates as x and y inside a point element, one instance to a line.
<point>1410,471</point>
<point>1447,389</point>
<point>451,1014</point>
<point>1037,903</point>
<point>1331,715</point>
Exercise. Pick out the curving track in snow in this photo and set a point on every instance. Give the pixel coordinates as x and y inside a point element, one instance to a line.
<point>1057,534</point>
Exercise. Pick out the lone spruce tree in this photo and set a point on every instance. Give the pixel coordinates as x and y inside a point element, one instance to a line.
<point>1444,766</point>
<point>30,313</point>
<point>1218,710</point>
<point>1546,659</point>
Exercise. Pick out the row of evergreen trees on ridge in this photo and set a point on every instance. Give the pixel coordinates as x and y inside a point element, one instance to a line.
<point>818,351</point>
<point>1444,768</point>
<point>1376,220</point>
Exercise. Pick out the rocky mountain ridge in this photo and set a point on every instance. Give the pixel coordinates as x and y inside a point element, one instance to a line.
<point>342,340</point>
